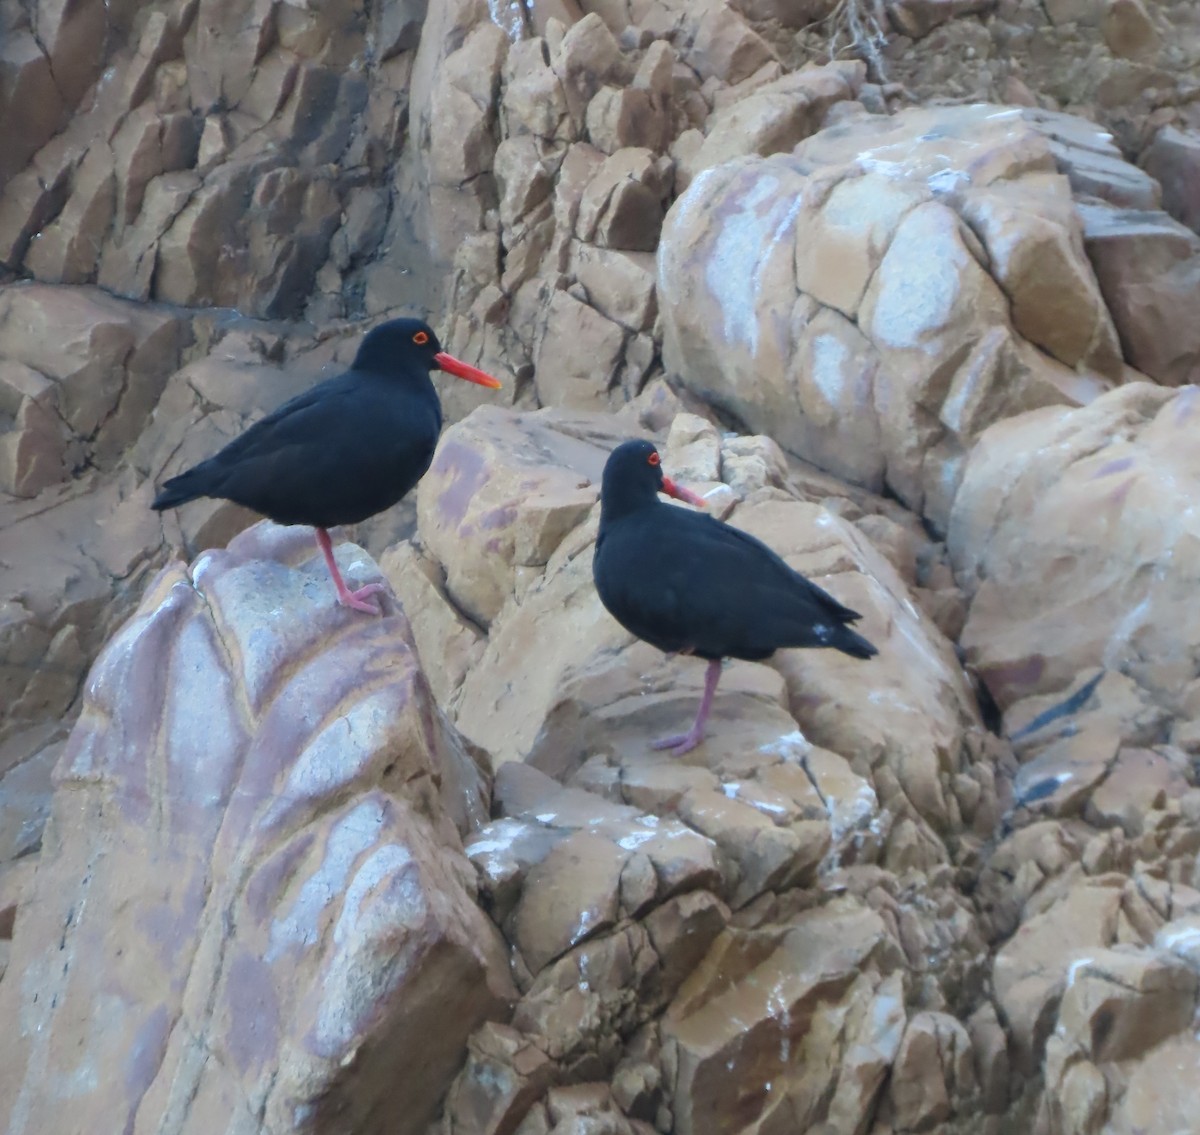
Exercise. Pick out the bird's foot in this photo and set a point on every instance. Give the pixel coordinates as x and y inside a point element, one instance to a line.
<point>356,599</point>
<point>680,743</point>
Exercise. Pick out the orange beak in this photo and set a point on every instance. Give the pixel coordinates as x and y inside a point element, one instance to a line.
<point>459,369</point>
<point>681,494</point>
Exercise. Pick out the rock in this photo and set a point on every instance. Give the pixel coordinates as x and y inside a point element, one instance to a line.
<point>917,18</point>
<point>535,101</point>
<point>1036,245</point>
<point>1105,480</point>
<point>934,1074</point>
<point>93,380</point>
<point>1138,781</point>
<point>1120,1003</point>
<point>619,284</point>
<point>693,449</point>
<point>33,453</point>
<point>749,1016</point>
<point>585,866</point>
<point>725,46</point>
<point>1159,1095</point>
<point>527,509</point>
<point>26,82</point>
<point>1092,162</point>
<point>622,204</point>
<point>1148,267</point>
<point>318,880</point>
<point>786,287</point>
<point>66,251</point>
<point>586,59</point>
<point>578,359</point>
<point>441,634</point>
<point>1173,158</point>
<point>626,117</point>
<point>773,118</point>
<point>916,754</point>
<point>1032,969</point>
<point>1128,29</point>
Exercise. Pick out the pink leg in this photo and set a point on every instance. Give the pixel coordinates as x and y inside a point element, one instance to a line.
<point>682,743</point>
<point>345,596</point>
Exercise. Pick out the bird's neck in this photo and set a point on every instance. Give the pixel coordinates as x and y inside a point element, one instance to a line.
<point>615,507</point>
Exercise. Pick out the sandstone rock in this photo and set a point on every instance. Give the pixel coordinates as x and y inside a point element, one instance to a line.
<point>586,59</point>
<point>33,450</point>
<point>318,884</point>
<point>619,284</point>
<point>1037,257</point>
<point>1092,161</point>
<point>535,101</point>
<point>725,46</point>
<point>1173,158</point>
<point>754,1015</point>
<point>622,204</point>
<point>626,117</point>
<point>764,264</point>
<point>1032,969</point>
<point>1159,1095</point>
<point>917,755</point>
<point>1128,29</point>
<point>773,118</point>
<point>1139,781</point>
<point>26,82</point>
<point>529,509</point>
<point>66,251</point>
<point>1120,1003</point>
<point>934,1074</point>
<point>1099,479</point>
<point>578,358</point>
<point>107,362</point>
<point>1148,266</point>
<point>917,18</point>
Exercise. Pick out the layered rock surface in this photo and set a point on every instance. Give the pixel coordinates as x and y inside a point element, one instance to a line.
<point>253,886</point>
<point>855,908</point>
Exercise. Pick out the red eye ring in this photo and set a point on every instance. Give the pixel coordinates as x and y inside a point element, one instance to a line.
<point>421,338</point>
<point>654,459</point>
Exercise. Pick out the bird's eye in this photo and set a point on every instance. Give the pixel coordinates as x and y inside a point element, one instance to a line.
<point>654,459</point>
<point>421,338</point>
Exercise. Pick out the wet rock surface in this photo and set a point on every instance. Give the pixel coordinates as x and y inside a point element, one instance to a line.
<point>874,279</point>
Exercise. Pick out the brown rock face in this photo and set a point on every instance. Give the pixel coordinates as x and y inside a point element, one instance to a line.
<point>1108,587</point>
<point>276,894</point>
<point>84,371</point>
<point>875,297</point>
<point>254,866</point>
<point>1173,158</point>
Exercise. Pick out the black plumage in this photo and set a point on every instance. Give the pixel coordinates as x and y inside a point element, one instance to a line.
<point>686,582</point>
<point>344,450</point>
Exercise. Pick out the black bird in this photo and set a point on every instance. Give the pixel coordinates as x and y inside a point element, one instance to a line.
<point>690,584</point>
<point>349,447</point>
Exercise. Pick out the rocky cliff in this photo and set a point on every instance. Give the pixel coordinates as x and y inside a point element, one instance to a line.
<point>905,287</point>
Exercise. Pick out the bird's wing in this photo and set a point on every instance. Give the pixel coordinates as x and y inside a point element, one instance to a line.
<point>702,585</point>
<point>299,422</point>
<point>783,576</point>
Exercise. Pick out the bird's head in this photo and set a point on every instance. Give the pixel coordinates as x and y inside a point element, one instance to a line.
<point>400,343</point>
<point>633,478</point>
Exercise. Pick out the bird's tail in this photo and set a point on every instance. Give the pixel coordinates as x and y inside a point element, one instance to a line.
<point>852,643</point>
<point>179,490</point>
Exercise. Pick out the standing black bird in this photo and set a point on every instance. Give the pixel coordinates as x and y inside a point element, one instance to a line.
<point>687,583</point>
<point>344,450</point>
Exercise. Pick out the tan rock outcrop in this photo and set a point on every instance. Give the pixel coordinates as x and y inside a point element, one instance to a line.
<point>853,909</point>
<point>875,298</point>
<point>1108,588</point>
<point>308,916</point>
